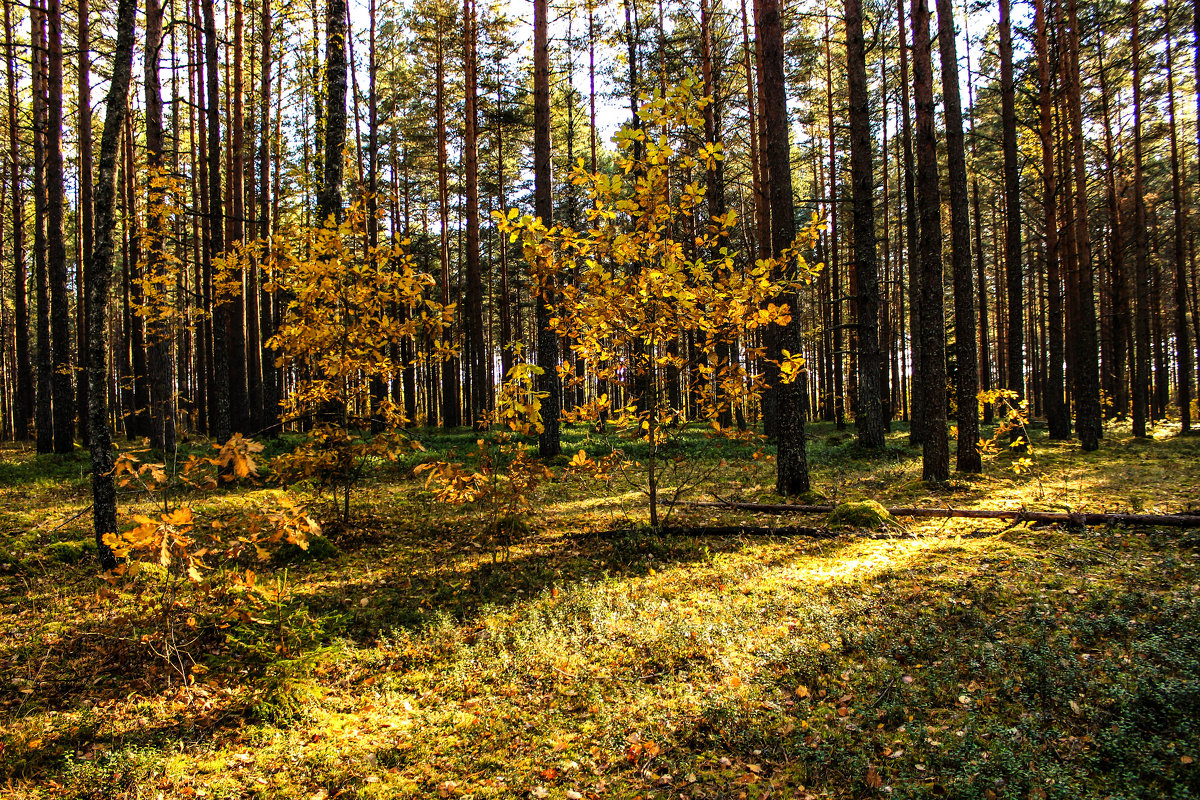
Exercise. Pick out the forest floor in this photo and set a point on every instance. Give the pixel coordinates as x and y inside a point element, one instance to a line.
<point>401,658</point>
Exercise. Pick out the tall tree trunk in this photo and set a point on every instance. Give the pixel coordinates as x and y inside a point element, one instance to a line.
<point>1012,210</point>
<point>219,394</point>
<point>1057,414</point>
<point>1141,369</point>
<point>241,412</point>
<point>99,278</point>
<point>967,458</point>
<point>45,362</point>
<point>479,364</point>
<point>916,433</point>
<point>791,477</point>
<point>162,431</point>
<point>271,376</point>
<point>868,410</point>
<point>23,407</point>
<point>1086,370</point>
<point>935,447</point>
<point>329,200</point>
<point>1117,282</point>
<point>451,404</point>
<point>1183,349</point>
<point>85,209</point>
<point>547,339</point>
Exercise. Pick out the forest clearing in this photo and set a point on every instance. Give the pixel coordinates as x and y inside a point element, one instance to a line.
<point>599,399</point>
<point>399,658</point>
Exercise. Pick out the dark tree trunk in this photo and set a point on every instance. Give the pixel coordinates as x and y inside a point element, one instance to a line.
<point>916,434</point>
<point>329,200</point>
<point>99,277</point>
<point>219,394</point>
<point>1085,372</point>
<point>85,211</point>
<point>1183,349</point>
<point>479,363</point>
<point>791,476</point>
<point>1058,417</point>
<point>162,431</point>
<point>868,410</point>
<point>935,447</point>
<point>1012,210</point>
<point>45,362</point>
<point>1141,368</point>
<point>23,405</point>
<point>966,375</point>
<point>547,339</point>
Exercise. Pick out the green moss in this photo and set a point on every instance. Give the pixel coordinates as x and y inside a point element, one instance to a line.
<point>70,552</point>
<point>866,514</point>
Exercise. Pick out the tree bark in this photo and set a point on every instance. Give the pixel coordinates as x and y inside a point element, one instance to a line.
<point>99,280</point>
<point>547,340</point>
<point>966,374</point>
<point>1012,210</point>
<point>935,447</point>
<point>85,210</point>
<point>219,394</point>
<point>1141,369</point>
<point>329,200</point>
<point>479,363</point>
<point>791,476</point>
<point>23,405</point>
<point>916,429</point>
<point>869,408</point>
<point>1183,348</point>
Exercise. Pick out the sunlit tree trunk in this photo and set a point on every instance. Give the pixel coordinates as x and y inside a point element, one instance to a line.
<point>868,410</point>
<point>23,405</point>
<point>935,447</point>
<point>99,278</point>
<point>547,341</point>
<point>1141,368</point>
<point>1014,277</point>
<point>967,458</point>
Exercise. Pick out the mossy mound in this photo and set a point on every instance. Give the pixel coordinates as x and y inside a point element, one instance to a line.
<point>865,514</point>
<point>70,552</point>
<point>319,549</point>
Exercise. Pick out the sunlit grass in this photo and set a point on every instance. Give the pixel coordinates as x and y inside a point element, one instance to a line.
<point>957,657</point>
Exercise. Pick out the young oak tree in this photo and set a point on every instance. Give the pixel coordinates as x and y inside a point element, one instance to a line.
<point>641,287</point>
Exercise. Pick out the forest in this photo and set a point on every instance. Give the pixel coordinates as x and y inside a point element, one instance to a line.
<point>600,399</point>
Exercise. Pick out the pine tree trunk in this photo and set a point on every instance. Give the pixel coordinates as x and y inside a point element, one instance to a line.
<point>916,433</point>
<point>1183,349</point>
<point>791,477</point>
<point>967,458</point>
<point>84,126</point>
<point>935,447</point>
<point>547,339</point>
<point>45,363</point>
<point>1141,333</point>
<point>1057,416</point>
<point>219,393</point>
<point>869,408</point>
<point>99,277</point>
<point>162,430</point>
<point>1015,380</point>
<point>1086,371</point>
<point>479,363</point>
<point>23,405</point>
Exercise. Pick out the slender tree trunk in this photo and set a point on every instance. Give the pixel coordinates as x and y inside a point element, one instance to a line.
<point>23,407</point>
<point>1057,415</point>
<point>1141,369</point>
<point>451,403</point>
<point>99,277</point>
<point>967,458</point>
<point>85,209</point>
<point>219,394</point>
<point>1183,349</point>
<point>45,362</point>
<point>329,200</point>
<point>916,434</point>
<point>162,431</point>
<point>479,363</point>
<point>271,377</point>
<point>792,462</point>
<point>547,340</point>
<point>869,408</point>
<point>935,447</point>
<point>1012,210</point>
<point>1086,371</point>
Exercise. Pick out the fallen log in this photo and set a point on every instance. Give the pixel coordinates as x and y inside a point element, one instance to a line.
<point>1045,517</point>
